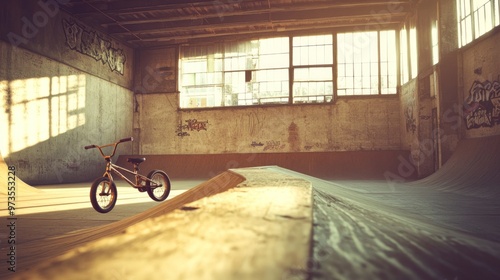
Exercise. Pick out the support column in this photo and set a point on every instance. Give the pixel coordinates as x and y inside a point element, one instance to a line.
<point>449,112</point>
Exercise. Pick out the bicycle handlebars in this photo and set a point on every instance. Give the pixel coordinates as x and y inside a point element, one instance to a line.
<point>126,139</point>
<point>113,144</point>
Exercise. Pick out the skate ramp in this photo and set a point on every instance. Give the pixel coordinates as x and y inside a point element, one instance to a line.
<point>472,170</point>
<point>7,176</point>
<point>32,253</point>
<point>257,226</point>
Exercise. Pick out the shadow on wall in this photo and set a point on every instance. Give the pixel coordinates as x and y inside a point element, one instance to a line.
<point>47,119</point>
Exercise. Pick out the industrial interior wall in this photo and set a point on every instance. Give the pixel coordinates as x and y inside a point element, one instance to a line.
<point>410,128</point>
<point>349,124</point>
<point>418,98</point>
<point>352,136</point>
<point>409,114</point>
<point>63,86</point>
<point>481,86</point>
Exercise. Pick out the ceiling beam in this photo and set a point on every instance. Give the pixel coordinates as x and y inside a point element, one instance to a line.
<point>278,18</point>
<point>235,8</point>
<point>231,36</point>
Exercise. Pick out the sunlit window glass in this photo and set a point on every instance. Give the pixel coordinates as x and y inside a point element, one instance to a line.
<point>313,76</point>
<point>475,18</point>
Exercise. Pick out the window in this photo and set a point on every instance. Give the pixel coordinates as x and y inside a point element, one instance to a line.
<point>268,80</point>
<point>237,73</point>
<point>475,18</point>
<point>403,48</point>
<point>366,63</point>
<point>413,50</point>
<point>435,41</point>
<point>408,50</point>
<point>288,70</point>
<point>201,77</point>
<point>313,69</point>
<point>388,62</point>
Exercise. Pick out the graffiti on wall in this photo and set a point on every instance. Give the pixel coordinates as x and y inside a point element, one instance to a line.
<point>411,123</point>
<point>321,146</point>
<point>274,146</point>
<point>482,107</point>
<point>191,125</point>
<point>91,44</point>
<point>256,144</point>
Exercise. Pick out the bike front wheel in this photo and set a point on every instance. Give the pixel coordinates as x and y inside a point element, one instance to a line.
<point>103,195</point>
<point>159,186</point>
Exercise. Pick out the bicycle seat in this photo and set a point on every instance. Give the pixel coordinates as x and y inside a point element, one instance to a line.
<point>136,160</point>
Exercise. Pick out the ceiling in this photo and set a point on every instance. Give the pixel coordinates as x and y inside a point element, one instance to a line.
<point>153,23</point>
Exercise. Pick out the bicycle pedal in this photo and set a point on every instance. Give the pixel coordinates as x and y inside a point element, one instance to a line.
<point>142,189</point>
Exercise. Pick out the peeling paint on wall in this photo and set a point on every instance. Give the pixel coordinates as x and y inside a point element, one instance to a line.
<point>293,137</point>
<point>91,44</point>
<point>482,107</point>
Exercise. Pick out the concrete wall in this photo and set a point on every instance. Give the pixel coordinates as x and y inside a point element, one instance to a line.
<point>41,27</point>
<point>353,138</point>
<point>409,114</point>
<point>351,124</point>
<point>348,125</point>
<point>430,111</point>
<point>448,109</point>
<point>62,86</point>
<point>50,111</point>
<point>459,98</point>
<point>481,86</point>
<point>334,140</point>
<point>305,132</point>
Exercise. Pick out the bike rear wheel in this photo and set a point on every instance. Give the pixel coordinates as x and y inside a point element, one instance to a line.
<point>159,189</point>
<point>103,195</point>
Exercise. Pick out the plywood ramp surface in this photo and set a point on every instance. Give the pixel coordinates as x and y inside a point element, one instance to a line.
<point>260,229</point>
<point>9,175</point>
<point>31,253</point>
<point>473,169</point>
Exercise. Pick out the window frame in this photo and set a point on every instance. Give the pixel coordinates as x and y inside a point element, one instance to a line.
<point>292,98</point>
<point>469,23</point>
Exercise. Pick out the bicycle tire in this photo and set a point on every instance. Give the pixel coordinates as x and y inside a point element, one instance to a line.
<point>158,193</point>
<point>103,202</point>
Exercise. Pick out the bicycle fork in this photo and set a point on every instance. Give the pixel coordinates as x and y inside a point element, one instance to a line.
<point>106,189</point>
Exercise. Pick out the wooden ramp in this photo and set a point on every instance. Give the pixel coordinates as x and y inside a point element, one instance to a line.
<point>9,175</point>
<point>241,224</point>
<point>445,226</point>
<point>473,170</point>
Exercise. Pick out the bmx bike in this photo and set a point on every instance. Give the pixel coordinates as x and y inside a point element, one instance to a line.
<point>103,192</point>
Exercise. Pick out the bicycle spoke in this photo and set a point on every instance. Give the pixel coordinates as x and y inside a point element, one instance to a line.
<point>159,185</point>
<point>104,195</point>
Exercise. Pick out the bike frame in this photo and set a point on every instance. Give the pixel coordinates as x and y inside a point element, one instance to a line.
<point>139,178</point>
